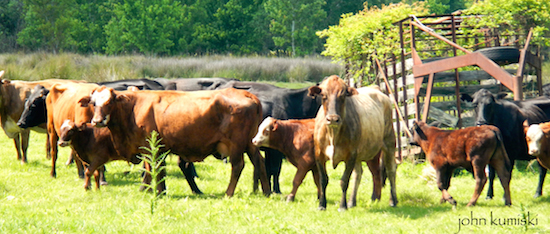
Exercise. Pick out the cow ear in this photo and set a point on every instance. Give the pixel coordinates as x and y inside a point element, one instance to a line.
<point>314,90</point>
<point>501,96</point>
<point>525,124</point>
<point>122,98</point>
<point>352,91</point>
<point>85,101</point>
<point>466,97</point>
<point>275,125</point>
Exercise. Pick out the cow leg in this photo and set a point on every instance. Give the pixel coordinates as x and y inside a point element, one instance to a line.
<point>542,176</point>
<point>25,135</point>
<point>481,179</point>
<point>492,174</point>
<point>344,181</point>
<point>317,179</point>
<point>374,167</point>
<point>391,171</point>
<point>78,163</point>
<point>443,182</point>
<point>504,176</point>
<point>237,165</point>
<point>258,162</point>
<point>356,180</point>
<point>48,147</point>
<point>146,177</point>
<point>273,166</point>
<point>53,152</point>
<point>323,181</point>
<point>17,143</point>
<point>187,169</point>
<point>102,179</point>
<point>298,179</point>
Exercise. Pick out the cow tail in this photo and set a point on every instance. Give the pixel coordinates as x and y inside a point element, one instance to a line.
<point>500,146</point>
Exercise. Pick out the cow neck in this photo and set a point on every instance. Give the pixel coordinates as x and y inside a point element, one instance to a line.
<point>8,91</point>
<point>122,121</point>
<point>429,132</point>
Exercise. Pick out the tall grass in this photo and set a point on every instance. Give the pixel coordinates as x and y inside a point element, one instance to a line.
<point>33,202</point>
<point>95,68</point>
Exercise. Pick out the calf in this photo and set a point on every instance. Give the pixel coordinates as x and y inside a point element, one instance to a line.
<point>294,138</point>
<point>93,147</point>
<point>471,148</point>
<point>538,142</point>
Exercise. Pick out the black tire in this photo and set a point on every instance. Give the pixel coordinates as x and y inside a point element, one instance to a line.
<point>502,55</point>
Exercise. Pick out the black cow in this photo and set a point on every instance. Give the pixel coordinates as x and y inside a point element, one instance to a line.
<point>141,84</point>
<point>279,103</point>
<point>509,116</point>
<point>193,84</point>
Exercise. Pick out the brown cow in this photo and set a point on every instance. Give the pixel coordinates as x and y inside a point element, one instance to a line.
<point>538,142</point>
<point>192,125</point>
<point>471,148</point>
<point>61,105</point>
<point>353,127</point>
<point>12,103</point>
<point>294,138</point>
<point>93,146</point>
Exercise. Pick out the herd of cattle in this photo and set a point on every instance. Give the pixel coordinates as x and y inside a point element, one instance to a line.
<point>332,121</point>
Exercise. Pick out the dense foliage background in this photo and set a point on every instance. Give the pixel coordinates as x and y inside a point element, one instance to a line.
<point>188,27</point>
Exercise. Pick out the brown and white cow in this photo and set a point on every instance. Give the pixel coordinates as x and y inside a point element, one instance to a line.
<point>12,103</point>
<point>472,148</point>
<point>294,138</point>
<point>192,125</point>
<point>353,127</point>
<point>538,142</point>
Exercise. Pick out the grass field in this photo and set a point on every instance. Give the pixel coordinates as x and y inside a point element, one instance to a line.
<point>33,202</point>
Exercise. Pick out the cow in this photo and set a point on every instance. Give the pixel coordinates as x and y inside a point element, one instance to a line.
<point>12,103</point>
<point>61,105</point>
<point>509,116</point>
<point>141,84</point>
<point>193,84</point>
<point>472,148</point>
<point>93,147</point>
<point>192,125</point>
<point>353,127</point>
<point>279,103</point>
<point>294,138</point>
<point>537,137</point>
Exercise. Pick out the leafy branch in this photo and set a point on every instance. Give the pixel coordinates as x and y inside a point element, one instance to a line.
<point>157,165</point>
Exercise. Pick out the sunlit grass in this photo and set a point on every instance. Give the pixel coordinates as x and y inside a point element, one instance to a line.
<point>33,202</point>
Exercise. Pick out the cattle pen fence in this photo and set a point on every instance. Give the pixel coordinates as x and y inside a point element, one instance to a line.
<point>492,60</point>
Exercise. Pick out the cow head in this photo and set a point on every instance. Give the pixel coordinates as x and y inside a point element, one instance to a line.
<point>417,133</point>
<point>535,135</point>
<point>264,131</point>
<point>485,104</point>
<point>333,92</point>
<point>66,132</point>
<point>103,99</point>
<point>34,113</point>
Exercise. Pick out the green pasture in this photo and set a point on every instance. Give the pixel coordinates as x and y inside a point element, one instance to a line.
<point>33,202</point>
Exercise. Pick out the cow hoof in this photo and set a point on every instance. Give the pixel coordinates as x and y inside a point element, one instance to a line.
<point>537,195</point>
<point>289,198</point>
<point>321,208</point>
<point>342,209</point>
<point>488,198</point>
<point>103,183</point>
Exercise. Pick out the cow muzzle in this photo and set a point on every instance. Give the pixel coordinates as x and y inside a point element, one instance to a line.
<point>98,122</point>
<point>333,119</point>
<point>63,143</point>
<point>533,152</point>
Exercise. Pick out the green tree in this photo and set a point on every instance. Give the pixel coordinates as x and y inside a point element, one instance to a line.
<point>144,26</point>
<point>49,25</point>
<point>11,22</point>
<point>91,17</point>
<point>445,6</point>
<point>514,16</point>
<point>293,24</point>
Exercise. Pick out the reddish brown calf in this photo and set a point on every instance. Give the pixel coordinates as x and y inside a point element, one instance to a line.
<point>471,148</point>
<point>294,138</point>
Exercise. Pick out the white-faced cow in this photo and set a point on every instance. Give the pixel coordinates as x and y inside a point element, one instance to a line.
<point>509,116</point>
<point>192,125</point>
<point>538,142</point>
<point>279,103</point>
<point>294,138</point>
<point>353,127</point>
